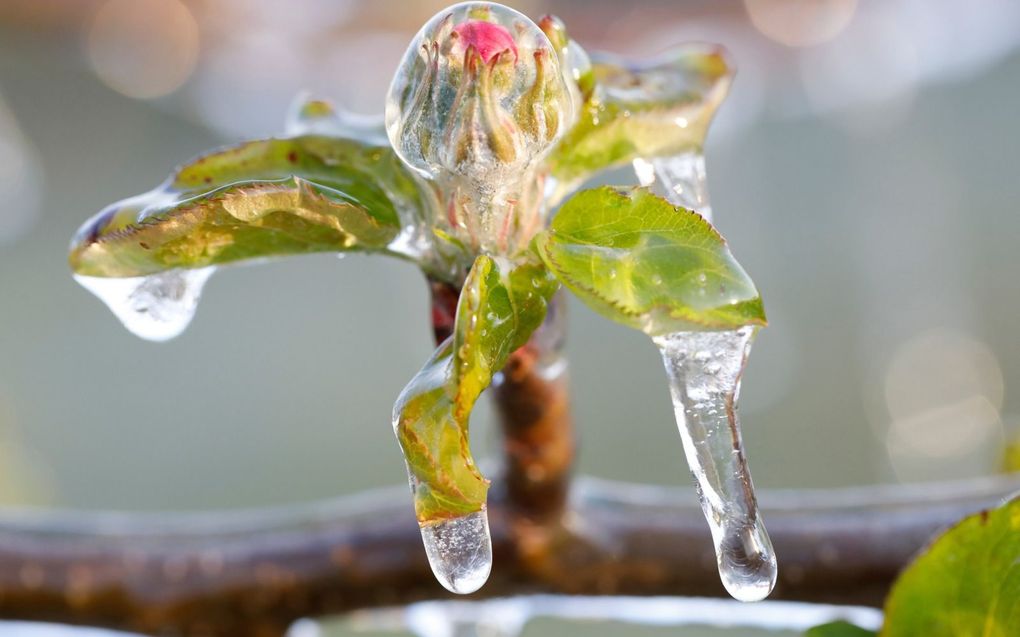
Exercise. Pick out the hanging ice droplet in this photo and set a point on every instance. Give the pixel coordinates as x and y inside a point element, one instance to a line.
<point>459,551</point>
<point>704,370</point>
<point>680,178</point>
<point>156,307</point>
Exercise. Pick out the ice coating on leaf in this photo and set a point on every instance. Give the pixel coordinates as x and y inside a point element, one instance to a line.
<point>704,370</point>
<point>641,261</point>
<point>660,108</point>
<point>315,116</point>
<point>478,100</point>
<point>157,307</point>
<point>256,200</point>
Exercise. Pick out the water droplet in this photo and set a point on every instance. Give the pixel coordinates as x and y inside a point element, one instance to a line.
<point>157,307</point>
<point>459,551</point>
<point>704,370</point>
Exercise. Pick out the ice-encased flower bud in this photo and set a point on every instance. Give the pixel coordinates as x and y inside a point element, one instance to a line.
<point>479,95</point>
<point>479,99</point>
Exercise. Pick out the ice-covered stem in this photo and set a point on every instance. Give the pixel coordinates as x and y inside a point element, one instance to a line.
<point>233,573</point>
<point>532,399</point>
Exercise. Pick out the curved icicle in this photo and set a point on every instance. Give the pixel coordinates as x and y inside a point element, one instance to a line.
<point>704,370</point>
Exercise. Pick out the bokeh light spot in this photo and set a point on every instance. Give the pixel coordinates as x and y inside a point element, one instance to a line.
<point>800,22</point>
<point>943,393</point>
<point>143,48</point>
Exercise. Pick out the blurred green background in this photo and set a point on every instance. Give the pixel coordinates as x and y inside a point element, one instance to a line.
<point>863,170</point>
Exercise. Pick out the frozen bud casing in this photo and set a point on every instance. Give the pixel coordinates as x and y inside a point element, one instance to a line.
<point>479,98</point>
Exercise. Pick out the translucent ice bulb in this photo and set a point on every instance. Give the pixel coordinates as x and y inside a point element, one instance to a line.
<point>479,94</point>
<point>157,307</point>
<point>459,551</point>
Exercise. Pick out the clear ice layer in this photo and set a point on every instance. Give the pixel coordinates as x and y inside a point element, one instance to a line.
<point>459,551</point>
<point>157,307</point>
<point>478,99</point>
<point>680,179</point>
<point>479,88</point>
<point>704,370</point>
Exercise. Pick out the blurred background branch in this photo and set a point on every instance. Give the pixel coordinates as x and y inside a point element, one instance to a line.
<point>255,573</point>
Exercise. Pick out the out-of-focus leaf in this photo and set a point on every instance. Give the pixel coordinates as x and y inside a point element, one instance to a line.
<point>263,198</point>
<point>658,109</point>
<point>838,629</point>
<point>500,306</point>
<point>639,260</point>
<point>965,584</point>
<point>1011,457</point>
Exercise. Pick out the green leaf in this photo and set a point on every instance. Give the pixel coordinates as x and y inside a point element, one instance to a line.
<point>965,584</point>
<point>1011,457</point>
<point>838,629</point>
<point>640,261</point>
<point>658,109</point>
<point>499,308</point>
<point>260,199</point>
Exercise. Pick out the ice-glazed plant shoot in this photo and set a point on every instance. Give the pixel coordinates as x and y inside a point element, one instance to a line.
<point>492,123</point>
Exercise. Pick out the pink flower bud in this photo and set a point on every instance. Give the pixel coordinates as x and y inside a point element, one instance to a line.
<point>487,38</point>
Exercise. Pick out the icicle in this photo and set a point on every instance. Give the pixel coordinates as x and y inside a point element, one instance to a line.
<point>681,179</point>
<point>156,307</point>
<point>704,371</point>
<point>459,551</point>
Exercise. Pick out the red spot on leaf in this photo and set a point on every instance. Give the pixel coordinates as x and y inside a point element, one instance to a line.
<point>487,38</point>
<point>292,157</point>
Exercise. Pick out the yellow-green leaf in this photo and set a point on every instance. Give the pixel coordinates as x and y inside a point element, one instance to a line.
<point>259,199</point>
<point>639,260</point>
<point>501,304</point>
<point>965,584</point>
<point>658,109</point>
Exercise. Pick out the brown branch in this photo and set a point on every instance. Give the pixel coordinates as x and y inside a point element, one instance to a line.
<point>532,399</point>
<point>237,573</point>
